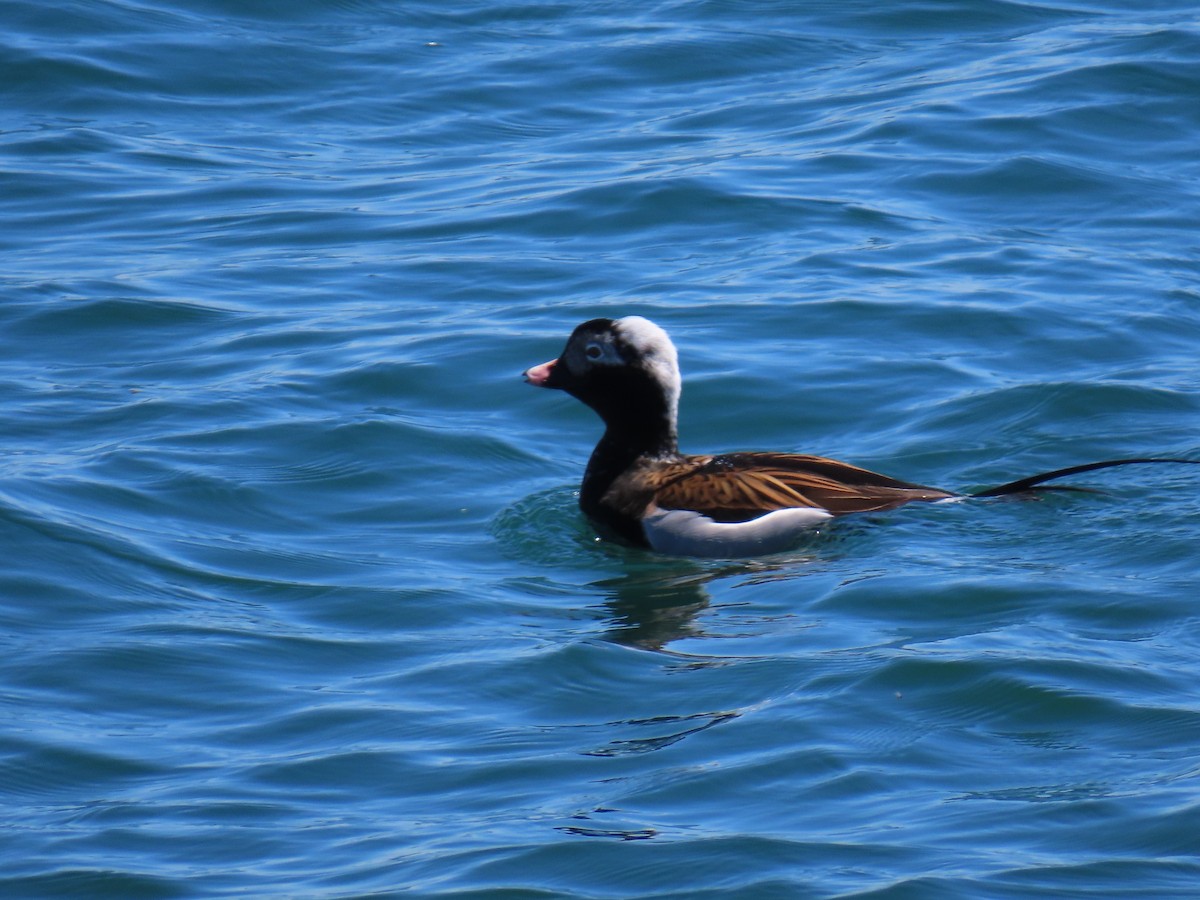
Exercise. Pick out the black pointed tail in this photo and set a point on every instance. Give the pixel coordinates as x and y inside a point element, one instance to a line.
<point>1035,482</point>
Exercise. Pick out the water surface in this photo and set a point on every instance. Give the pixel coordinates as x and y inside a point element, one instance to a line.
<point>297,601</point>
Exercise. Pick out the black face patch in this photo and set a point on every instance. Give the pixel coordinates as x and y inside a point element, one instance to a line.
<point>593,345</point>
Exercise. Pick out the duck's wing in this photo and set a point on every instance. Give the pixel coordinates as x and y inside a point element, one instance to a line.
<point>737,487</point>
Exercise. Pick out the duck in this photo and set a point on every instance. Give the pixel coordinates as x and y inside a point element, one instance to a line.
<point>639,489</point>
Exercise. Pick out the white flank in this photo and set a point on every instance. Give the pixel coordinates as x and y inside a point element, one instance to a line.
<point>683,532</point>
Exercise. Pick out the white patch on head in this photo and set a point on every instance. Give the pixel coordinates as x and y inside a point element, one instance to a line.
<point>685,532</point>
<point>657,353</point>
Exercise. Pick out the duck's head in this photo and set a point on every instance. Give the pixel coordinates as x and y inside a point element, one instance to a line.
<point>626,369</point>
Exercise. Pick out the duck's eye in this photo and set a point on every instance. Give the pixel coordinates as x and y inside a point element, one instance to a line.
<point>593,351</point>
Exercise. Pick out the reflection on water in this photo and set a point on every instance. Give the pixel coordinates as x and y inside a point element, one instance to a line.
<point>674,732</point>
<point>649,611</point>
<point>654,605</point>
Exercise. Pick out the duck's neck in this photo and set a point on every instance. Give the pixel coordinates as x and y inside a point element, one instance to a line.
<point>619,449</point>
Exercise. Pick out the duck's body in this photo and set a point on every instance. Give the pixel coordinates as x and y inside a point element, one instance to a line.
<point>640,489</point>
<point>736,504</point>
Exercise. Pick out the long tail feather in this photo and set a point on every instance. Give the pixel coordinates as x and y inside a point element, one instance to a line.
<point>1033,482</point>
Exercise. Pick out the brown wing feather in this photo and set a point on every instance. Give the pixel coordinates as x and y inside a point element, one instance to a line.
<point>741,486</point>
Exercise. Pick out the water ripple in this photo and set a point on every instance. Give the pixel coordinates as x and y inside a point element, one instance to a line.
<point>297,596</point>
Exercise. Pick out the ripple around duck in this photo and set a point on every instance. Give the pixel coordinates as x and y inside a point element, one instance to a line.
<point>522,529</point>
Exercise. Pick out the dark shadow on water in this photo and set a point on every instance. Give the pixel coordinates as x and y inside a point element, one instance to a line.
<point>658,600</point>
<point>649,608</point>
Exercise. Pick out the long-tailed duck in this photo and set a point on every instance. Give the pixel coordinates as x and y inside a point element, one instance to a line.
<point>640,489</point>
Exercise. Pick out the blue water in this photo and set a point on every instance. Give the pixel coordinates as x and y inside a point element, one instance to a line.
<point>296,601</point>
